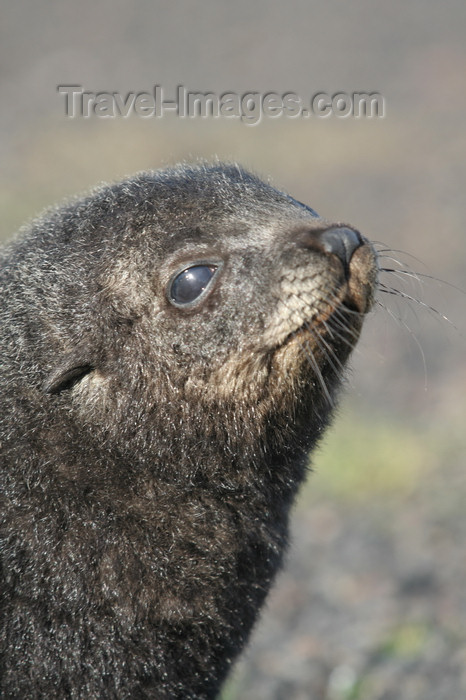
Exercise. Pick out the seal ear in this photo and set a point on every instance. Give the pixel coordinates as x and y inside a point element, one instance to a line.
<point>75,365</point>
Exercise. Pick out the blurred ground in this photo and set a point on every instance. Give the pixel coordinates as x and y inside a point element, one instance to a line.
<point>371,605</point>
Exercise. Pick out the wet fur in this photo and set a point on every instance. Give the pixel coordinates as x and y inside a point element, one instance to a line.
<point>149,457</point>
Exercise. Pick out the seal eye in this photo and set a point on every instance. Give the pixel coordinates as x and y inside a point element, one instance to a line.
<point>188,285</point>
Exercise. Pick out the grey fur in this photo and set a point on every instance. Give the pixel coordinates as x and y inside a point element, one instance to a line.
<point>150,454</point>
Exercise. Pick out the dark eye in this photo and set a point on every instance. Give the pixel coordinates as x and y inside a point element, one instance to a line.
<point>188,285</point>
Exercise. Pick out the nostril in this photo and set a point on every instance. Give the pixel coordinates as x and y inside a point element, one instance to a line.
<point>341,242</point>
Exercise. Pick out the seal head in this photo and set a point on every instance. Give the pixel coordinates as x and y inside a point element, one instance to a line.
<point>172,347</point>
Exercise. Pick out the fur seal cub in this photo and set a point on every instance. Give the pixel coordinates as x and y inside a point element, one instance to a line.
<point>171,348</point>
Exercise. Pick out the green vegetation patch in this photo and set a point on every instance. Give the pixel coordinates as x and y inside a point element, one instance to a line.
<point>362,458</point>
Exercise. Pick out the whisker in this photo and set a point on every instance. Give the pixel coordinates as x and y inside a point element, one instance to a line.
<point>402,323</point>
<point>338,320</point>
<point>327,351</point>
<point>399,293</point>
<point>420,276</point>
<point>398,274</point>
<point>310,356</point>
<point>395,250</point>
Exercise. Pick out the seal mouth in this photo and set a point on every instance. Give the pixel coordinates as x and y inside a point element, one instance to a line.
<point>342,319</point>
<point>339,312</point>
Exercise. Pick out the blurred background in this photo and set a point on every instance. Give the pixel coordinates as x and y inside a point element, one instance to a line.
<point>372,604</point>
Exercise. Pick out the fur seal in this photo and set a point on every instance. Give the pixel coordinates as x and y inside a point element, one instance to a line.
<point>171,351</point>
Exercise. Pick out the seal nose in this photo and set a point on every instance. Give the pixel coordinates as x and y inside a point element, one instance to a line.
<point>341,242</point>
